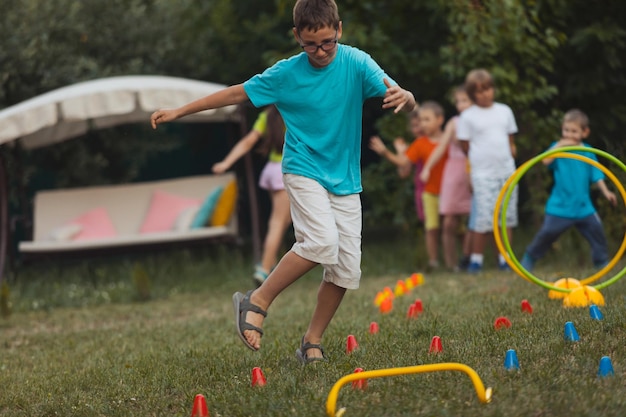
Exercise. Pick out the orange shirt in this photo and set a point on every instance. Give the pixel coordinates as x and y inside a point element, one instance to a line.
<point>419,151</point>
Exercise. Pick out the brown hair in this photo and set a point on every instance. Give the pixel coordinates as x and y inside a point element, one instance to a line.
<point>458,89</point>
<point>477,78</point>
<point>577,116</point>
<point>315,15</point>
<point>274,136</point>
<point>432,106</point>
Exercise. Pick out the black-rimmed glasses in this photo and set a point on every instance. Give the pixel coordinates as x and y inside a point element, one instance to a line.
<point>324,46</point>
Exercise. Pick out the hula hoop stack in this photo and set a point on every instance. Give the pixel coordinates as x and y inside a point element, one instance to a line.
<point>575,293</point>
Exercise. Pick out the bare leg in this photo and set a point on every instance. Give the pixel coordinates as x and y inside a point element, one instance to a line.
<point>329,297</point>
<point>467,243</point>
<point>450,225</point>
<point>279,220</point>
<point>478,242</point>
<point>289,269</point>
<point>432,242</point>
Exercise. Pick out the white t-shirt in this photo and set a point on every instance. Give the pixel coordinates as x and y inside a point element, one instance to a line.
<point>487,130</point>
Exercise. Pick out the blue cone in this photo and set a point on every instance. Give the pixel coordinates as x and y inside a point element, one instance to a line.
<point>510,360</point>
<point>606,367</point>
<point>595,312</point>
<point>570,332</point>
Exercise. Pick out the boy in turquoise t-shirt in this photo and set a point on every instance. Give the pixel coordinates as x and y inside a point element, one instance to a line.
<point>320,94</point>
<point>569,204</point>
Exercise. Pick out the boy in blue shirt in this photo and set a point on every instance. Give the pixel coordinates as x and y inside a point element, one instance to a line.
<point>320,94</point>
<point>569,204</point>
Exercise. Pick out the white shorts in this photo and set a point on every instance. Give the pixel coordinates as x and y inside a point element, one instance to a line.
<point>327,229</point>
<point>485,194</point>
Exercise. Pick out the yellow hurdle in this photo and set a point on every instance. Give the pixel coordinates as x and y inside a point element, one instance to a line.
<point>484,395</point>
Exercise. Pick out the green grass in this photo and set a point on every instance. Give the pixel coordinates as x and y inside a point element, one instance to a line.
<point>79,343</point>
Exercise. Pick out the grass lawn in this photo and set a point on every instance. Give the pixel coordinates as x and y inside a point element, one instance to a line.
<point>80,343</point>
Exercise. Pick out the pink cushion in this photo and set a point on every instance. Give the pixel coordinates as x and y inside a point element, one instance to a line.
<point>95,224</point>
<point>164,210</point>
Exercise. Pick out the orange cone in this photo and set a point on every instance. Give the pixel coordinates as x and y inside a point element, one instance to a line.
<point>435,345</point>
<point>386,306</point>
<point>200,408</point>
<point>351,344</point>
<point>258,379</point>
<point>359,383</point>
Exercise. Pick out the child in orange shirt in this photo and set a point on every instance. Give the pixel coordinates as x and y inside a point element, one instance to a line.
<point>431,120</point>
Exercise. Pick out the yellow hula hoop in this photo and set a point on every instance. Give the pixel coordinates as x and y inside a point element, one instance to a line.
<point>500,211</point>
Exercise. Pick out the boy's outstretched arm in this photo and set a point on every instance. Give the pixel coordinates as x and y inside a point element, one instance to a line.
<point>234,94</point>
<point>398,98</point>
<point>439,151</point>
<point>377,145</point>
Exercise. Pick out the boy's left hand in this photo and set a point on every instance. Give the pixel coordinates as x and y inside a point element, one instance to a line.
<point>398,98</point>
<point>611,197</point>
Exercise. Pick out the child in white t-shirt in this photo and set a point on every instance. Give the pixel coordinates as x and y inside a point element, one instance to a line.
<point>485,131</point>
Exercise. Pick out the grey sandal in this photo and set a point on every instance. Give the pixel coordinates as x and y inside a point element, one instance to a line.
<point>304,358</point>
<point>242,305</point>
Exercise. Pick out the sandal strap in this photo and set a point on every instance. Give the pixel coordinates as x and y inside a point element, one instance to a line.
<point>247,326</point>
<point>246,306</point>
<point>308,346</point>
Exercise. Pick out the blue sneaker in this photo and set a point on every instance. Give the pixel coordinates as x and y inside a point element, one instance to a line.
<point>474,268</point>
<point>527,263</point>
<point>260,275</point>
<point>601,265</point>
<point>504,266</point>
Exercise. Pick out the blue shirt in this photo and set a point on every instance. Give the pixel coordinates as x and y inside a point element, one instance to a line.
<point>570,196</point>
<point>322,109</point>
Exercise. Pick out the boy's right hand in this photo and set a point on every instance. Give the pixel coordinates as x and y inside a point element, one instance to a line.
<point>424,175</point>
<point>162,116</point>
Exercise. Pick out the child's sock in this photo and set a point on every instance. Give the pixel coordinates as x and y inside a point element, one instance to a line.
<point>476,258</point>
<point>501,259</point>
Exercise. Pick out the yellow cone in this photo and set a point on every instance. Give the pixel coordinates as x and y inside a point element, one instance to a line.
<point>583,297</point>
<point>569,283</point>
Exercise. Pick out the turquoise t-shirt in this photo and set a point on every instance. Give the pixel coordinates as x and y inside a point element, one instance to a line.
<point>571,196</point>
<point>322,109</point>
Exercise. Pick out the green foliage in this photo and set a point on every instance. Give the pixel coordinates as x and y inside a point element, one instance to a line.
<point>141,280</point>
<point>5,300</point>
<point>546,56</point>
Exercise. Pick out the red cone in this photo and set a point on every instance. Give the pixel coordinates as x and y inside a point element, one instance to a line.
<point>359,383</point>
<point>435,345</point>
<point>351,344</point>
<point>501,322</point>
<point>200,408</point>
<point>418,306</point>
<point>412,312</point>
<point>258,379</point>
<point>526,307</point>
<point>374,327</point>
